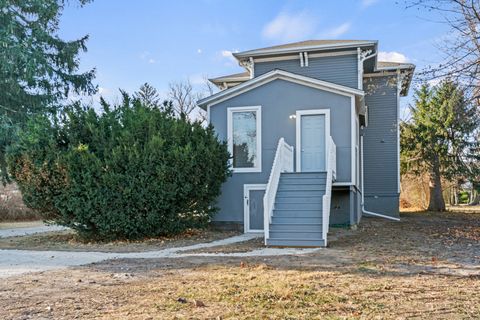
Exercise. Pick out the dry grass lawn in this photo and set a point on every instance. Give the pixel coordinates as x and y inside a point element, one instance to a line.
<point>425,267</point>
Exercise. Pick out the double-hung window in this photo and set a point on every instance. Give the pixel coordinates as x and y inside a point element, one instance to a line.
<point>245,138</point>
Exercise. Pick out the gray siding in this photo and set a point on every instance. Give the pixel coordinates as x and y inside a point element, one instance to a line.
<point>336,69</point>
<point>380,146</point>
<point>280,99</point>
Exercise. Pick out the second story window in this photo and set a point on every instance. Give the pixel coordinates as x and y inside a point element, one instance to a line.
<point>244,138</point>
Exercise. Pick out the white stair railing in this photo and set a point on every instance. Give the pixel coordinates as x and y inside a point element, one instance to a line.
<point>331,176</point>
<point>283,162</point>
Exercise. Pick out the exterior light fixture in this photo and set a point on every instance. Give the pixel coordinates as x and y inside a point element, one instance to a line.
<point>292,116</point>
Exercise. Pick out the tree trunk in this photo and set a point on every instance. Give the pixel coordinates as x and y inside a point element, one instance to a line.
<point>436,199</point>
<point>475,198</point>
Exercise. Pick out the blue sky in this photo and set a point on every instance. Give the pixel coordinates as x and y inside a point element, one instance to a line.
<point>132,42</point>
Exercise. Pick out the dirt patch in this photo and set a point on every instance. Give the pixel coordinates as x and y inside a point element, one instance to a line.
<point>21,224</point>
<point>422,267</point>
<point>69,241</point>
<point>12,207</point>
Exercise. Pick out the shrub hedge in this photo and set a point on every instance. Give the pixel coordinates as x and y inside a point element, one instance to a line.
<point>129,172</point>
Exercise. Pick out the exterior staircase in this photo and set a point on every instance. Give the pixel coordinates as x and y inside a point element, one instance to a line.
<point>297,214</point>
<point>297,204</point>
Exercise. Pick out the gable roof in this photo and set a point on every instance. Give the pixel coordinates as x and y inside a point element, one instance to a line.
<point>274,75</point>
<point>307,45</point>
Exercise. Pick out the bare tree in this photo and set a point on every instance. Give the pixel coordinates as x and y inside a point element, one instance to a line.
<point>462,47</point>
<point>184,98</point>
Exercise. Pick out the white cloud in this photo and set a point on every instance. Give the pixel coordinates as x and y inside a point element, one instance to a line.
<point>337,31</point>
<point>392,56</point>
<point>368,3</point>
<point>147,56</point>
<point>290,27</point>
<point>227,54</point>
<point>199,51</point>
<point>102,90</point>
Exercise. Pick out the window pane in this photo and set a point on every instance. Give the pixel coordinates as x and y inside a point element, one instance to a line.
<point>244,139</point>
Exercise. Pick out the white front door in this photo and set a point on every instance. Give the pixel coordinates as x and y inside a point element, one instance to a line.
<point>311,142</point>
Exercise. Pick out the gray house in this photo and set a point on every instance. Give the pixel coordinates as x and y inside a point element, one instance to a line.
<point>313,131</point>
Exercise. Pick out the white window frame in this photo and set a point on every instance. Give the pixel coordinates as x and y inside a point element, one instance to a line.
<point>258,110</point>
<point>298,133</point>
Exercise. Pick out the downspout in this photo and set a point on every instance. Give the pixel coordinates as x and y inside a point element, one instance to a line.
<point>364,211</point>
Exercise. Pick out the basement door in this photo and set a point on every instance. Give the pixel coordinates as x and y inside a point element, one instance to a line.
<point>253,207</point>
<point>312,142</point>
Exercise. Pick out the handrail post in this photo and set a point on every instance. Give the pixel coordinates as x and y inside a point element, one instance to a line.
<point>331,168</point>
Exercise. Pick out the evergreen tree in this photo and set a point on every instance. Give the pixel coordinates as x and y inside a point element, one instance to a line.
<point>148,96</point>
<point>37,68</point>
<point>440,136</point>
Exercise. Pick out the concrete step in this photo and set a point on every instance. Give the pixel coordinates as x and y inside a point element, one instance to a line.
<point>296,227</point>
<point>295,243</point>
<point>298,205</point>
<point>296,213</point>
<point>301,187</point>
<point>309,220</point>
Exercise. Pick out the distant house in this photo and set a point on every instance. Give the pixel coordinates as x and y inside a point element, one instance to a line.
<point>313,130</point>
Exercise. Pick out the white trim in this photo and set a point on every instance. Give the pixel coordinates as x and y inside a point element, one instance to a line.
<point>342,184</point>
<point>273,59</point>
<point>258,110</point>
<point>208,115</point>
<point>310,55</point>
<point>298,132</point>
<point>252,67</point>
<point>246,207</point>
<point>359,69</point>
<point>357,151</point>
<point>301,58</point>
<point>399,91</point>
<point>268,51</point>
<point>332,54</point>
<point>305,54</point>
<point>274,75</point>
<point>353,114</point>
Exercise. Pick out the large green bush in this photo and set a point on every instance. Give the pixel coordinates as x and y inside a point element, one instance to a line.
<point>132,171</point>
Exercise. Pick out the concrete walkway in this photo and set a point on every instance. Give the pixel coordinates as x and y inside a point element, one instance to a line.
<point>15,262</point>
<point>16,232</point>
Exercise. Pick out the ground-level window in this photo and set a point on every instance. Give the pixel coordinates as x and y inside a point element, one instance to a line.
<point>244,138</point>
